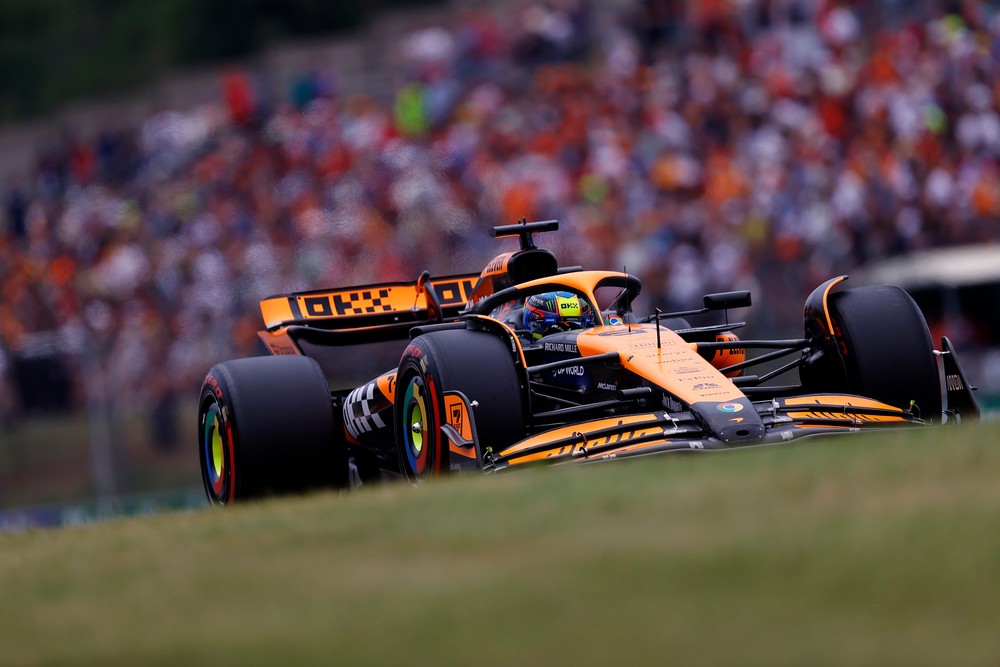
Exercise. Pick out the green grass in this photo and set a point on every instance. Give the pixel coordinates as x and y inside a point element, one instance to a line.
<point>865,550</point>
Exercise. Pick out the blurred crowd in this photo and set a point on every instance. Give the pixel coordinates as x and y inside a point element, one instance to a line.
<point>715,145</point>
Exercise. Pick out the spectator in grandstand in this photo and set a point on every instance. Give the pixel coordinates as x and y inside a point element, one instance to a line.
<point>703,146</point>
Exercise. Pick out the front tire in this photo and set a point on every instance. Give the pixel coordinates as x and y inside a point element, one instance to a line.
<point>886,348</point>
<point>477,364</point>
<point>266,426</point>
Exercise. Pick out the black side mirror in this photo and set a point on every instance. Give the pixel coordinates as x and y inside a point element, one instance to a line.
<point>726,300</point>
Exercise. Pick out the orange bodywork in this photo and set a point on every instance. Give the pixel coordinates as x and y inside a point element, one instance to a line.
<point>386,384</point>
<point>349,302</point>
<point>724,358</point>
<point>846,401</point>
<point>674,364</point>
<point>456,414</point>
<point>631,427</point>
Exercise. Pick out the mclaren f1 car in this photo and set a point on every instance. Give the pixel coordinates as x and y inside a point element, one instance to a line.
<point>528,362</point>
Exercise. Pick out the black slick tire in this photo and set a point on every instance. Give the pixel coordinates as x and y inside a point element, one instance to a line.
<point>480,366</point>
<point>886,347</point>
<point>266,426</point>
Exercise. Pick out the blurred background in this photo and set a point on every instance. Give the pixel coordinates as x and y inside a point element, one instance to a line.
<point>168,163</point>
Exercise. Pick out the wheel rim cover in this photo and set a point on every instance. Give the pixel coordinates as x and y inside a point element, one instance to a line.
<point>416,413</point>
<point>215,456</point>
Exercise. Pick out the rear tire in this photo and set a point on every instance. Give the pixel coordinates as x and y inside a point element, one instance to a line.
<point>266,426</point>
<point>475,363</point>
<point>886,348</point>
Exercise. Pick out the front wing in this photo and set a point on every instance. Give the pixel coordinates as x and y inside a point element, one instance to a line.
<point>785,419</point>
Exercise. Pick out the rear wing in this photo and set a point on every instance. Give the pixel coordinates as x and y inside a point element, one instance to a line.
<point>367,313</point>
<point>387,311</point>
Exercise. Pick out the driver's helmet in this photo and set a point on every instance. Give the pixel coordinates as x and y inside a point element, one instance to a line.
<point>556,311</point>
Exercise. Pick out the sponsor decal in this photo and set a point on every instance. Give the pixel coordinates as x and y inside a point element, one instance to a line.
<point>684,370</point>
<point>705,385</point>
<point>387,385</point>
<point>561,347</point>
<point>671,357</point>
<point>622,436</point>
<point>214,384</point>
<point>634,332</point>
<point>347,303</point>
<point>364,301</point>
<point>645,345</point>
<point>607,386</point>
<point>682,352</point>
<point>281,348</point>
<point>457,415</point>
<point>614,320</point>
<point>568,307</point>
<point>729,407</point>
<point>728,337</point>
<point>835,416</point>
<point>670,404</point>
<point>497,265</point>
<point>648,345</point>
<point>453,292</point>
<point>577,371</point>
<point>717,393</point>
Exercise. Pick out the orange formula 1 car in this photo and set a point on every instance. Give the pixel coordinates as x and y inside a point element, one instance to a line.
<point>529,362</point>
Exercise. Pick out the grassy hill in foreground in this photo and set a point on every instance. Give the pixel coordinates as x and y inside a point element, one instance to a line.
<point>867,550</point>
